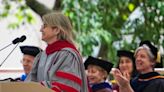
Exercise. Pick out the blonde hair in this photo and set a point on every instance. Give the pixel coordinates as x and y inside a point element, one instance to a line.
<point>59,20</point>
<point>100,69</point>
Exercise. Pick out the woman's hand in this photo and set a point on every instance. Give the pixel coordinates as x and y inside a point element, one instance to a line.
<point>122,79</point>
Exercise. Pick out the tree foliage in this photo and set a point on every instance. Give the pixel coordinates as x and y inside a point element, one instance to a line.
<point>18,11</point>
<point>104,23</point>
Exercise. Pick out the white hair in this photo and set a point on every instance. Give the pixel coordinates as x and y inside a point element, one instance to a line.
<point>147,49</point>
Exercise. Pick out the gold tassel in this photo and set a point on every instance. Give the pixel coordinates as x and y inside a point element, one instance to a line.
<point>158,60</point>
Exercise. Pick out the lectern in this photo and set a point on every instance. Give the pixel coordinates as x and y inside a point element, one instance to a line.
<point>22,87</point>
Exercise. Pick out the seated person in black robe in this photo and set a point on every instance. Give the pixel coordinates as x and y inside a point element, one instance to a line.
<point>146,56</point>
<point>97,73</point>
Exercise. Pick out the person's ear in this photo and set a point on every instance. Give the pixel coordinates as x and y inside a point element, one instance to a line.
<point>56,30</point>
<point>153,64</point>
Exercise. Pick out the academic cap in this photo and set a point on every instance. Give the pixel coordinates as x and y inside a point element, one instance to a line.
<point>30,50</point>
<point>106,65</point>
<point>126,54</point>
<point>153,49</point>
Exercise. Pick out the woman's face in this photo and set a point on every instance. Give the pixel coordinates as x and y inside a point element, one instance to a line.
<point>126,65</point>
<point>94,74</point>
<point>49,34</point>
<point>143,62</point>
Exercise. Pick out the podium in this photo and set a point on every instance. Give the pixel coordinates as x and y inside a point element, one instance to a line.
<point>22,87</point>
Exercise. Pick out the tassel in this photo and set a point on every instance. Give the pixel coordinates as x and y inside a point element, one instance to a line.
<point>158,60</point>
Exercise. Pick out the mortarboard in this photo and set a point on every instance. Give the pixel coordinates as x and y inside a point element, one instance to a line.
<point>126,54</point>
<point>153,49</point>
<point>130,55</point>
<point>106,65</point>
<point>30,50</point>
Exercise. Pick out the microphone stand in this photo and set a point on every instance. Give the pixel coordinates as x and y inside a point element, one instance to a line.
<point>16,40</point>
<point>8,54</point>
<point>5,47</point>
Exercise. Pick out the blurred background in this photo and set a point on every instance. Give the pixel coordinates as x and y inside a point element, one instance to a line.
<point>101,27</point>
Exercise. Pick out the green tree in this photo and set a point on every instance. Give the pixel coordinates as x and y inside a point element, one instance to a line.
<point>105,23</point>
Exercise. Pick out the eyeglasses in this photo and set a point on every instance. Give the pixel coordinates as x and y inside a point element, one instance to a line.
<point>27,62</point>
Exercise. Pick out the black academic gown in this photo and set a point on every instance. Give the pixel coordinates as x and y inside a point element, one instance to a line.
<point>150,82</point>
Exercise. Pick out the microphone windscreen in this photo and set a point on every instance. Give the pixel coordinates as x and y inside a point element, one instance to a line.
<point>22,38</point>
<point>16,40</point>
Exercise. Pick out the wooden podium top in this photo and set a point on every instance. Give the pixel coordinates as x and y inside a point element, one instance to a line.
<point>22,87</point>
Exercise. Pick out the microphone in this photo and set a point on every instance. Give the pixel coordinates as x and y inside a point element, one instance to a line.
<point>15,41</point>
<point>22,38</point>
